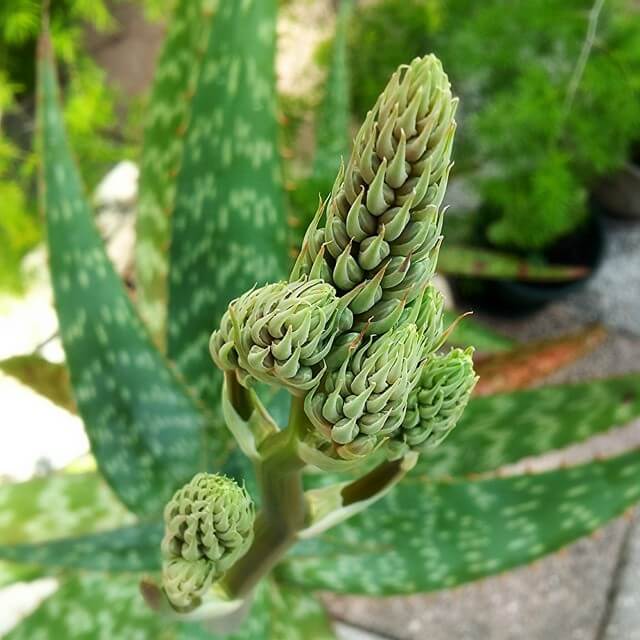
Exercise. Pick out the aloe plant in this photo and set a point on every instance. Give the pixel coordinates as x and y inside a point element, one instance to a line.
<point>358,493</point>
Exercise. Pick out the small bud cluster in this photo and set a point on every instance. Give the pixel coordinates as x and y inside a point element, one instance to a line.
<point>383,219</point>
<point>208,527</point>
<point>281,333</point>
<point>436,402</point>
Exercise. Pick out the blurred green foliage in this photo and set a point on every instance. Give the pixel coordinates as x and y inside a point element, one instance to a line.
<point>536,131</point>
<point>90,113</point>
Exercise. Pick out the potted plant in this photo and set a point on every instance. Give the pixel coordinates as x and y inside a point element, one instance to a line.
<point>619,193</point>
<point>545,118</point>
<point>556,112</point>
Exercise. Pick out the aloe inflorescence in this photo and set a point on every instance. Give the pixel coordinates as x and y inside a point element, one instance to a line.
<point>352,335</point>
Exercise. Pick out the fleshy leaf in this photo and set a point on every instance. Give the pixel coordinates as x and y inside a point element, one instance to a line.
<point>481,263</point>
<point>427,536</point>
<point>99,606</point>
<point>501,429</point>
<point>332,126</point>
<point>94,607</point>
<point>470,332</point>
<point>58,505</point>
<point>167,119</point>
<point>49,379</point>
<point>228,229</point>
<point>298,615</point>
<point>133,548</point>
<point>528,363</point>
<point>145,431</point>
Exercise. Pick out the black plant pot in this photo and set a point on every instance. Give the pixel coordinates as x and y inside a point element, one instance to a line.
<point>619,194</point>
<point>583,247</point>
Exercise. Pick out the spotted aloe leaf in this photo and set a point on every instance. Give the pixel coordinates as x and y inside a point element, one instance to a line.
<point>228,230</point>
<point>49,379</point>
<point>469,331</point>
<point>529,363</point>
<point>482,263</point>
<point>130,548</point>
<point>501,429</point>
<point>146,432</point>
<point>432,535</point>
<point>58,505</point>
<point>332,126</point>
<point>95,606</point>
<point>167,118</point>
<point>297,615</point>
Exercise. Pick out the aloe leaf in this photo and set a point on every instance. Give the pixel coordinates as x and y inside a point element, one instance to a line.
<point>228,230</point>
<point>482,263</point>
<point>297,615</point>
<point>166,122</point>
<point>332,125</point>
<point>529,363</point>
<point>94,607</point>
<point>131,548</point>
<point>99,606</point>
<point>58,505</point>
<point>429,535</point>
<point>49,379</point>
<point>146,432</point>
<point>501,429</point>
<point>469,331</point>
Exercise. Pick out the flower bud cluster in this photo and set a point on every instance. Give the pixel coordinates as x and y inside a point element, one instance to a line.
<point>281,333</point>
<point>383,218</point>
<point>208,526</point>
<point>436,402</point>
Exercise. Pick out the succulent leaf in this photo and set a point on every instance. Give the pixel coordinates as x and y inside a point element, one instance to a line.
<point>208,526</point>
<point>228,230</point>
<point>144,427</point>
<point>510,426</point>
<point>427,535</point>
<point>167,115</point>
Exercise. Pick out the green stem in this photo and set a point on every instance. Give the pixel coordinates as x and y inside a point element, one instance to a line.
<point>283,511</point>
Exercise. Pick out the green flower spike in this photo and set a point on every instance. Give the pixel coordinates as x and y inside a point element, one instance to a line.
<point>281,333</point>
<point>208,527</point>
<point>383,218</point>
<point>436,403</point>
<point>362,399</point>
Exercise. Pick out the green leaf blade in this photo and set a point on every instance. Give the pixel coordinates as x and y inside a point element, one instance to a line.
<point>482,263</point>
<point>430,536</point>
<point>504,428</point>
<point>229,227</point>
<point>167,118</point>
<point>145,431</point>
<point>132,548</point>
<point>332,127</point>
<point>94,607</point>
<point>58,505</point>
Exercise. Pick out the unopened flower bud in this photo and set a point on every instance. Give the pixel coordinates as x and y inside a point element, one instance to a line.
<point>362,398</point>
<point>281,333</point>
<point>383,219</point>
<point>436,402</point>
<point>208,527</point>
